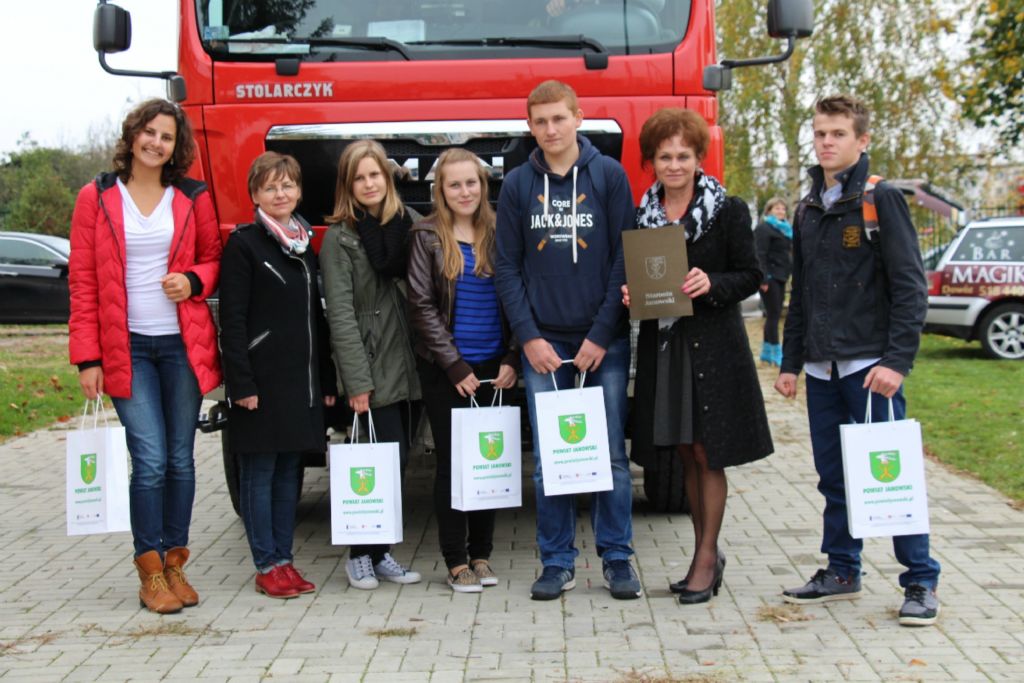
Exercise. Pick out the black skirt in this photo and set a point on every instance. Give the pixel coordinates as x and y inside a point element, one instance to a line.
<point>675,420</point>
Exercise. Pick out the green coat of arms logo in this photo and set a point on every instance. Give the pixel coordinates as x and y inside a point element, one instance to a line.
<point>885,465</point>
<point>88,464</point>
<point>492,445</point>
<point>573,428</point>
<point>362,480</point>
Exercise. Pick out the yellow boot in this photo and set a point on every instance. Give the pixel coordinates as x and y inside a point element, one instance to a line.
<point>155,595</point>
<point>174,560</point>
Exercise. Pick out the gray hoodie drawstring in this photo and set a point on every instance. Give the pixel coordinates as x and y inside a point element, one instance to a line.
<point>546,193</point>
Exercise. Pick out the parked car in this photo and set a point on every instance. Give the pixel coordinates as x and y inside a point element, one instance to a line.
<point>976,291</point>
<point>33,278</point>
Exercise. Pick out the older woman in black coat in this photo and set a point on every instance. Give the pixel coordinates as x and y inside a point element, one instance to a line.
<point>696,384</point>
<point>277,370</point>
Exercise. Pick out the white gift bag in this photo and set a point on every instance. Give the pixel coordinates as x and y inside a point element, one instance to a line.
<point>487,461</point>
<point>97,476</point>
<point>366,491</point>
<point>572,440</point>
<point>883,467</point>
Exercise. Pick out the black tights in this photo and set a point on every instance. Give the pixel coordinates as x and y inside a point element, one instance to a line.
<point>706,490</point>
<point>772,300</point>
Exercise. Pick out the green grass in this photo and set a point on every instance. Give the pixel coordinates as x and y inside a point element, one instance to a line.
<point>37,385</point>
<point>971,410</point>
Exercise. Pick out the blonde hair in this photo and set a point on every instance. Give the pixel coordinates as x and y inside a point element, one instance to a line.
<point>346,208</point>
<point>444,220</point>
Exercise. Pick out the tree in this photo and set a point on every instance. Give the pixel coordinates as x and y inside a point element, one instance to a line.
<point>991,86</point>
<point>43,203</point>
<point>38,184</point>
<point>888,54</point>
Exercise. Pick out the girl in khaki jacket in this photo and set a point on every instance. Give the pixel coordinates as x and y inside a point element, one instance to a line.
<point>363,260</point>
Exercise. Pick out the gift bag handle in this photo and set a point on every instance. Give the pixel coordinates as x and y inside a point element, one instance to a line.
<point>867,411</point>
<point>496,396</point>
<point>369,423</point>
<point>583,376</point>
<point>97,408</point>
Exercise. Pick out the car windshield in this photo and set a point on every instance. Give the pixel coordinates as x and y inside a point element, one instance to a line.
<point>437,29</point>
<point>1000,244</point>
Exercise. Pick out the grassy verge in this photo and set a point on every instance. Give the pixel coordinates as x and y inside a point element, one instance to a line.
<point>37,385</point>
<point>971,411</point>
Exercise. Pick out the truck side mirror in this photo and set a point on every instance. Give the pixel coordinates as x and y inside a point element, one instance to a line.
<point>176,91</point>
<point>717,77</point>
<point>790,18</point>
<point>111,29</point>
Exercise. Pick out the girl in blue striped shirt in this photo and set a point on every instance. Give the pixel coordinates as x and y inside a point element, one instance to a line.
<point>461,338</point>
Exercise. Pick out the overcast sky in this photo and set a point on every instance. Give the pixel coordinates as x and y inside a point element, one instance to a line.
<point>53,86</point>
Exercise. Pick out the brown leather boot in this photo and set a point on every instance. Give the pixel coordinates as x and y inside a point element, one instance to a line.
<point>155,594</point>
<point>174,560</point>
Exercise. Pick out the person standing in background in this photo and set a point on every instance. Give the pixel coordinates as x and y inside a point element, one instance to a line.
<point>774,239</point>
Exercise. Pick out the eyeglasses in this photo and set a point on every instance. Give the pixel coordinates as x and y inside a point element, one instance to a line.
<point>284,188</point>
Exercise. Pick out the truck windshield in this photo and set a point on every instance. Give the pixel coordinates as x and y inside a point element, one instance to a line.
<point>438,29</point>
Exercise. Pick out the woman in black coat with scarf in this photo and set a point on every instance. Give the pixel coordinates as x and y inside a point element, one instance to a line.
<point>277,367</point>
<point>696,385</point>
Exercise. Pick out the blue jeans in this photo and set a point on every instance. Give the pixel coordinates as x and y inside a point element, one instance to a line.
<point>831,403</point>
<point>611,512</point>
<point>268,493</point>
<point>160,427</point>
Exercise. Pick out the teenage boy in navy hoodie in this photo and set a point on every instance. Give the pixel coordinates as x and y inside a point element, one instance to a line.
<point>558,273</point>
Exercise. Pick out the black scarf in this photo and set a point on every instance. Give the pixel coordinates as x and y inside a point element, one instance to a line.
<point>386,244</point>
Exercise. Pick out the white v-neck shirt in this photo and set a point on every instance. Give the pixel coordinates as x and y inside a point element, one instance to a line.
<point>148,246</point>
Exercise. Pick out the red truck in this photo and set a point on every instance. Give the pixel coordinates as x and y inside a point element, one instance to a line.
<point>307,77</point>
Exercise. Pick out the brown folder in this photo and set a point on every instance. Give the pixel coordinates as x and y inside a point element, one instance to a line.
<point>656,266</point>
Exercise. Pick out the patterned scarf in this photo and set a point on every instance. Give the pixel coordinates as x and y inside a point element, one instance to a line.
<point>293,237</point>
<point>708,198</point>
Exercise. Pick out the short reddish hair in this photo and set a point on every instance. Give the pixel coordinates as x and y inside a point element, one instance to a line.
<point>552,91</point>
<point>270,165</point>
<point>667,123</point>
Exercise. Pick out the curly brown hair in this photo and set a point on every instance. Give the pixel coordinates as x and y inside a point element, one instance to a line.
<point>184,142</point>
<point>665,124</point>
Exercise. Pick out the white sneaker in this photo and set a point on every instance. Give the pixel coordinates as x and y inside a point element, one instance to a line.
<point>360,573</point>
<point>389,569</point>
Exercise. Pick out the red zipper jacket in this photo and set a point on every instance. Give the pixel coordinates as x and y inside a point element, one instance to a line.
<point>96,278</point>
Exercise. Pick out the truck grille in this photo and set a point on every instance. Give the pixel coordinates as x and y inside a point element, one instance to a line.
<point>415,146</point>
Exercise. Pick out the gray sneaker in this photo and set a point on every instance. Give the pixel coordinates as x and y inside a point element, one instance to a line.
<point>360,573</point>
<point>824,586</point>
<point>389,569</point>
<point>920,606</point>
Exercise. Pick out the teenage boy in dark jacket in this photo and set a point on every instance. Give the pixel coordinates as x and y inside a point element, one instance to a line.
<point>558,273</point>
<point>856,312</point>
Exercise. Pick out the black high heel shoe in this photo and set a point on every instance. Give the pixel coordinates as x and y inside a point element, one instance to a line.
<point>680,585</point>
<point>689,597</point>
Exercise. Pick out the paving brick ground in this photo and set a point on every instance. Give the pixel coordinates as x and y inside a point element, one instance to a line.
<point>69,608</point>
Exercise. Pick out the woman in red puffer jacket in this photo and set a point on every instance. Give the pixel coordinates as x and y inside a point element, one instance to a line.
<point>145,253</point>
